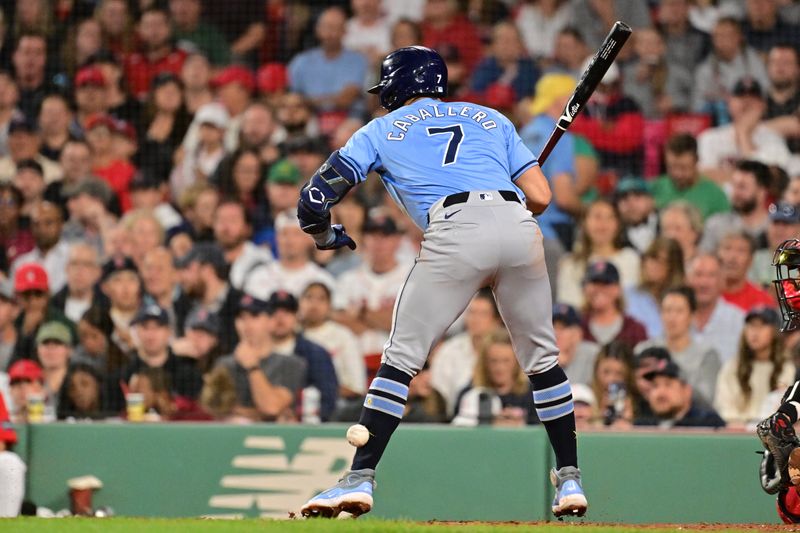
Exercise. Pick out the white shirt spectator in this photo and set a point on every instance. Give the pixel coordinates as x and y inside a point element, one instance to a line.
<point>408,9</point>
<point>249,267</point>
<point>75,308</point>
<point>362,287</point>
<point>276,277</point>
<point>539,32</point>
<point>730,401</point>
<point>365,39</point>
<point>723,330</point>
<point>12,484</point>
<point>452,368</point>
<point>717,146</point>
<point>53,263</point>
<point>713,75</point>
<point>570,275</point>
<point>344,348</point>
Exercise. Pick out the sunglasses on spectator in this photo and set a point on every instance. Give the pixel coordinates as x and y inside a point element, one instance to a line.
<point>27,295</point>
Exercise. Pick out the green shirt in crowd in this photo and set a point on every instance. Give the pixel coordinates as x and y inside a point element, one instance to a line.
<point>705,195</point>
<point>209,41</point>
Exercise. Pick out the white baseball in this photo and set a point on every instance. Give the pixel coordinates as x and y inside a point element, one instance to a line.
<point>357,435</point>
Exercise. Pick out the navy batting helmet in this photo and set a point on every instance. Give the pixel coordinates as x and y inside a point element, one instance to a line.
<point>408,72</point>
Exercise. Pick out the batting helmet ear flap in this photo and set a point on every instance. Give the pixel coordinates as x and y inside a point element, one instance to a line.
<point>770,479</point>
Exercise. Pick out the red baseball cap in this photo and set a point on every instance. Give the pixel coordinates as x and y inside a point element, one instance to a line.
<point>31,277</point>
<point>235,74</point>
<point>272,78</point>
<point>7,433</point>
<point>100,119</point>
<point>90,75</point>
<point>25,369</point>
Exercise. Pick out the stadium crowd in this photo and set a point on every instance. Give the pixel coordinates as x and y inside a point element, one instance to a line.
<point>151,154</point>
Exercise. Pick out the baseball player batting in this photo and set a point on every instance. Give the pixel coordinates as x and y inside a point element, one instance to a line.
<point>780,466</point>
<point>464,176</point>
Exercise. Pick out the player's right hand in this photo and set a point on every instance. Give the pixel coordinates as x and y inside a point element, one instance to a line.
<point>340,239</point>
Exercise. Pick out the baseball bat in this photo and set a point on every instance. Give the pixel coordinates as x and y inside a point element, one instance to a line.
<point>591,77</point>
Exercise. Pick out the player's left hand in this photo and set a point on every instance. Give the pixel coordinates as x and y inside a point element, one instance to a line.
<point>340,239</point>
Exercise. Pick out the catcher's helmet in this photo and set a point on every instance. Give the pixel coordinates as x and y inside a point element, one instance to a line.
<point>786,261</point>
<point>410,71</point>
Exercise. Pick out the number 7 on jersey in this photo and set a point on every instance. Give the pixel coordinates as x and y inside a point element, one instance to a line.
<point>456,136</point>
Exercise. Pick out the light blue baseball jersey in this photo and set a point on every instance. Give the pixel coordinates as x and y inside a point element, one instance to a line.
<point>430,149</point>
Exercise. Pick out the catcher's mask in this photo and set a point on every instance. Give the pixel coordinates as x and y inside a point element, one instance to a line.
<point>786,261</point>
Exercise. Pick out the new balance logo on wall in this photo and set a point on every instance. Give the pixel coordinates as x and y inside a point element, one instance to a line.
<point>280,483</point>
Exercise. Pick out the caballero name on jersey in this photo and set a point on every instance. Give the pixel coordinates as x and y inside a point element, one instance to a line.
<point>438,112</point>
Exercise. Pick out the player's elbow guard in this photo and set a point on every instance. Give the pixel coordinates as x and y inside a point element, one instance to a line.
<point>325,189</point>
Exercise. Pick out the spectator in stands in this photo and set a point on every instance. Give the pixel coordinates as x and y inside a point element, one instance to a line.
<point>153,351</point>
<point>204,278</point>
<point>23,145</point>
<point>234,88</point>
<point>118,173</point>
<point>599,238</point>
<point>671,402</point>
<point>784,224</point>
<point>201,163</point>
<point>261,131</point>
<point>683,181</point>
<point>763,28</point>
<point>83,40</point>
<point>760,368</point>
<point>51,250</point>
<point>687,45</point>
<point>148,194</point>
<point>201,340</point>
<point>783,93</point>
<point>505,75</point>
<point>539,24</point>
<point>91,93</point>
<point>76,163</point>
<point>115,18</point>
<point>282,190</point>
<point>730,60</point>
<point>198,205</point>
<point>314,312</point>
<point>405,32</point>
<point>425,404</point>
<point>499,382</point>
<point>153,383</point>
<point>244,180</point>
<point>15,237</point>
<point>570,52</point>
<point>25,380</point>
<point>343,70</point>
<point>123,287</point>
<point>196,78</point>
<point>53,350</point>
<point>89,217</point>
<point>656,85</point>
<point>166,122</point>
<point>29,59</point>
<point>614,125</point>
<point>8,334</point>
<point>192,32</point>
<point>716,322</point>
<point>613,385</point>
<point>144,233</point>
<point>248,262</point>
<point>120,104</point>
<point>750,184</point>
<point>295,113</point>
<point>267,384</point>
<point>364,297</point>
<point>293,271</point>
<point>662,268</point>
<point>452,364</point>
<point>699,362</point>
<point>28,179</point>
<point>746,138</point>
<point>320,372</point>
<point>156,52</point>
<point>161,287</point>
<point>594,19</point>
<point>637,212</point>
<point>682,222</point>
<point>444,27</point>
<point>575,355</point>
<point>9,97</point>
<point>97,346</point>
<point>604,320</point>
<point>735,252</point>
<point>55,119</point>
<point>368,31</point>
<point>242,22</point>
<point>82,274</point>
<point>81,395</point>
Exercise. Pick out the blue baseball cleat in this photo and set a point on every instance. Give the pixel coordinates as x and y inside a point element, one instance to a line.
<point>569,499</point>
<point>353,495</point>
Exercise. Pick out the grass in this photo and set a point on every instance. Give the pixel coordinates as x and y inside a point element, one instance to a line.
<point>364,525</point>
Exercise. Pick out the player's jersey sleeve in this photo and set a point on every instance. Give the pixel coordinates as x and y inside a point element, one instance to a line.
<point>361,151</point>
<point>520,158</point>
